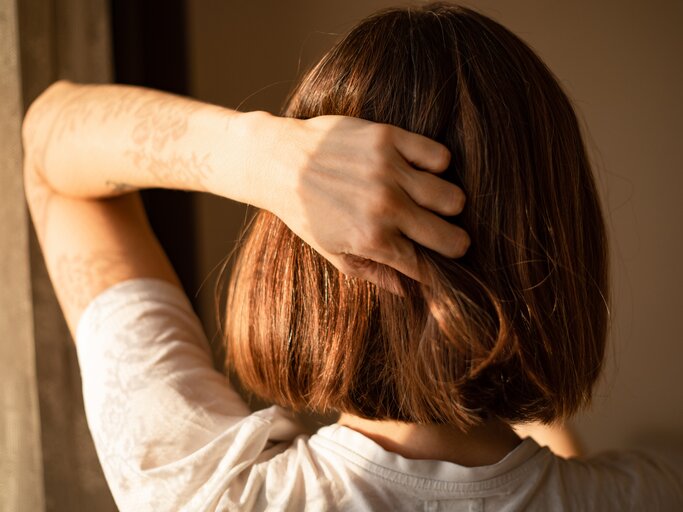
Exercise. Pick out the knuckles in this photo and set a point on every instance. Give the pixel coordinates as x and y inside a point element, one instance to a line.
<point>381,203</point>
<point>380,137</point>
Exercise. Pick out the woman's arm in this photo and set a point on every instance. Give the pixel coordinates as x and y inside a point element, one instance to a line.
<point>346,186</point>
<point>343,185</point>
<point>95,141</point>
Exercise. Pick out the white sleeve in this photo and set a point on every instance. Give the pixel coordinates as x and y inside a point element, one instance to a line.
<point>169,430</point>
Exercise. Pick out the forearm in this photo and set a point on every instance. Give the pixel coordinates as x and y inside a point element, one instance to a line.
<point>93,141</point>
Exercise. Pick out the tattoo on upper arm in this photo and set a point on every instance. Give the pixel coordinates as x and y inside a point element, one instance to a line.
<point>80,277</point>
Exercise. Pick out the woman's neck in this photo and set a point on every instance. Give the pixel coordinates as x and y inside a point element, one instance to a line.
<point>481,446</point>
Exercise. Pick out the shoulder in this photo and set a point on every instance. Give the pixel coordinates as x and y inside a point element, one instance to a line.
<point>623,480</point>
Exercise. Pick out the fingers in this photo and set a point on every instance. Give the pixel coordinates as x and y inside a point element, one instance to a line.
<point>399,254</point>
<point>432,192</point>
<point>433,232</point>
<point>355,266</point>
<point>421,151</point>
<point>429,192</point>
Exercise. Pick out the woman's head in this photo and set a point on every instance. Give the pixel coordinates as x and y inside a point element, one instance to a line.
<point>515,329</point>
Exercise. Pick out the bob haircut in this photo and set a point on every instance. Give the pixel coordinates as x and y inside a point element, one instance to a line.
<point>516,328</point>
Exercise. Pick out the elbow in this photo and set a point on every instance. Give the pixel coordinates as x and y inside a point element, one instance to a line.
<point>35,131</point>
<point>41,113</point>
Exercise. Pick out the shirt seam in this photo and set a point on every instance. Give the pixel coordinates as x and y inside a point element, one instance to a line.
<point>419,482</point>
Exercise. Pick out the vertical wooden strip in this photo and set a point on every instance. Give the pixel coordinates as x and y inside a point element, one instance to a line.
<point>21,470</point>
<point>62,39</point>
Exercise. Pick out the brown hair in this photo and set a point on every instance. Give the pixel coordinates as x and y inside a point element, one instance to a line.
<point>516,329</point>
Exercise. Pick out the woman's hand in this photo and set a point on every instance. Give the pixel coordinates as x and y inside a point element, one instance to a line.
<point>361,193</point>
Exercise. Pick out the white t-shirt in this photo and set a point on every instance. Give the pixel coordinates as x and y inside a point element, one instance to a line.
<point>172,435</point>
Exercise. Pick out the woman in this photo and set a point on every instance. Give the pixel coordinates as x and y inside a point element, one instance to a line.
<point>354,290</point>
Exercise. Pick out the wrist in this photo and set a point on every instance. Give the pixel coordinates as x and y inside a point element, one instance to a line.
<point>266,162</point>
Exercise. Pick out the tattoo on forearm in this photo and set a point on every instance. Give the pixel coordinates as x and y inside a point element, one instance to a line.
<point>182,169</point>
<point>160,122</point>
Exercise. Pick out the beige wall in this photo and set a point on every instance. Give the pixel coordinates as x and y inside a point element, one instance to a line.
<point>619,61</point>
<point>21,462</point>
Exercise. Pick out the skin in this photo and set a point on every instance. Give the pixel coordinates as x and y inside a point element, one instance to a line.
<point>90,148</point>
<point>481,446</point>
